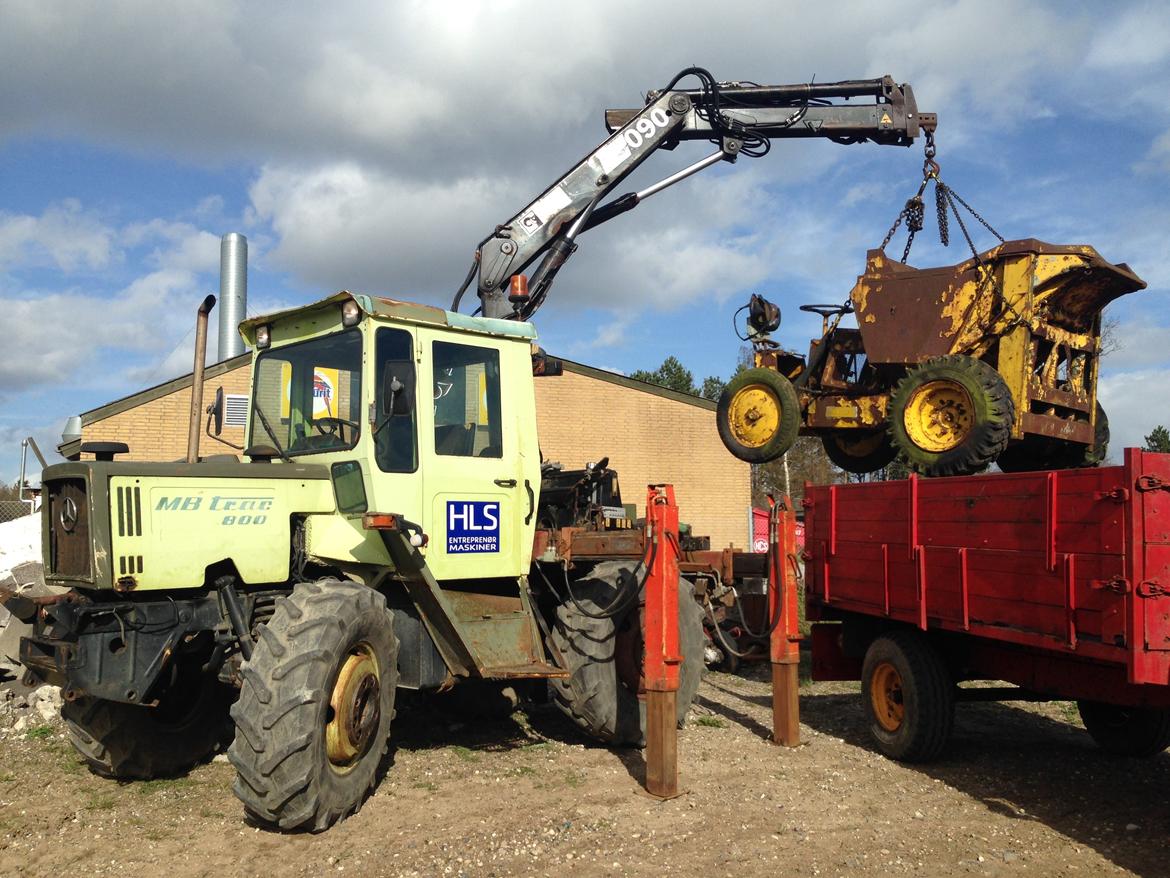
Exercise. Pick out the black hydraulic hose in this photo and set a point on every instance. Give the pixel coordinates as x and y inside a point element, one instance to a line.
<point>466,283</point>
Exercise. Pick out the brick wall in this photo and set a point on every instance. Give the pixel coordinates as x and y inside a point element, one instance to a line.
<point>581,418</point>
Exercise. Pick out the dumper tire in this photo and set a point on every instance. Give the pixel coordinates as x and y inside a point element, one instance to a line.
<point>325,664</point>
<point>951,416</point>
<point>1041,453</point>
<point>1137,732</point>
<point>859,451</point>
<point>132,742</point>
<point>908,697</point>
<point>599,696</point>
<point>758,415</point>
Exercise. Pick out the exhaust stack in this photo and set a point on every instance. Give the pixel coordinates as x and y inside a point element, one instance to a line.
<point>233,294</point>
<point>197,378</point>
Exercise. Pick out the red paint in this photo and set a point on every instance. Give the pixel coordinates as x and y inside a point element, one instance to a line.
<point>660,630</point>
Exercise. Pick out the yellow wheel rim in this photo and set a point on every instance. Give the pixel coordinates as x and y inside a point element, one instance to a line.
<point>355,709</point>
<point>939,416</point>
<point>885,695</point>
<point>754,415</point>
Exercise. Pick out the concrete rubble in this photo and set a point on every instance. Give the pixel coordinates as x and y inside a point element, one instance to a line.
<point>20,571</point>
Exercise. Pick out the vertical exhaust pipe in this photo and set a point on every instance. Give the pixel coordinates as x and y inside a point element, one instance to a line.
<point>197,378</point>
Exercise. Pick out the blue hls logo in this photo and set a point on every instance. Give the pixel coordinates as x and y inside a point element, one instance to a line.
<point>473,526</point>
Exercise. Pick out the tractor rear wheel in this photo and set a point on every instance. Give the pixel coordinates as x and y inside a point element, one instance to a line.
<point>313,718</point>
<point>132,742</point>
<point>604,656</point>
<point>951,416</point>
<point>859,451</point>
<point>758,415</point>
<point>1126,731</point>
<point>907,697</point>
<point>1040,453</point>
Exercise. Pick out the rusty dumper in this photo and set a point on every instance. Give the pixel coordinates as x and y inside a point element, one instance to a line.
<point>991,360</point>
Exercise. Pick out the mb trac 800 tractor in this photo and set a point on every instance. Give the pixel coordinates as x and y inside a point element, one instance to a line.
<point>991,360</point>
<point>391,524</point>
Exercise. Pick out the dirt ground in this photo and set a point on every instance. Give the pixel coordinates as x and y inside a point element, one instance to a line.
<point>1022,791</point>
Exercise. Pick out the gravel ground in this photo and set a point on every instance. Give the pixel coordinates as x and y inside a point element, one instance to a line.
<point>1022,792</point>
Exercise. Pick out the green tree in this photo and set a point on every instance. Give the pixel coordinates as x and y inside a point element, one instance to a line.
<point>671,374</point>
<point>1158,440</point>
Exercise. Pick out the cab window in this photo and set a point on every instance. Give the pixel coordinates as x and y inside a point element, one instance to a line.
<point>310,395</point>
<point>467,400</point>
<point>395,442</point>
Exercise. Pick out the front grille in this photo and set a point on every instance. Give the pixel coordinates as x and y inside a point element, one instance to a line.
<point>70,553</point>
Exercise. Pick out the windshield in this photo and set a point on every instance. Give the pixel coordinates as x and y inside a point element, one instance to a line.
<point>310,394</point>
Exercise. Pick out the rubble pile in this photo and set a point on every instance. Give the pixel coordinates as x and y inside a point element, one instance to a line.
<point>21,710</point>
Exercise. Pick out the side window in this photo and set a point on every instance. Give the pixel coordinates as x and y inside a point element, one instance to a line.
<point>467,400</point>
<point>395,440</point>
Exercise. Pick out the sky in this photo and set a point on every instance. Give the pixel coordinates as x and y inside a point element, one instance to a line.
<point>370,145</point>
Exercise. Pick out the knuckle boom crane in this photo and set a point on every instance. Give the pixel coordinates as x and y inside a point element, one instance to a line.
<point>738,118</point>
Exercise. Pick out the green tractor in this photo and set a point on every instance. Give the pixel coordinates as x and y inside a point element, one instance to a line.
<point>390,526</point>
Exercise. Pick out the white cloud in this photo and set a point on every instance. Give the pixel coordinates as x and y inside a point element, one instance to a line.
<point>1137,37</point>
<point>1133,408</point>
<point>64,236</point>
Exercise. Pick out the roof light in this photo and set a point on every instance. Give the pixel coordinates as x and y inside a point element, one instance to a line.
<point>351,313</point>
<point>263,336</point>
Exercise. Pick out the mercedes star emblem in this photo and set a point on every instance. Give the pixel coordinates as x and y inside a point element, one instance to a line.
<point>68,515</point>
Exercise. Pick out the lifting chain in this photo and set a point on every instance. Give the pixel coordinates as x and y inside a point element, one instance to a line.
<point>945,199</point>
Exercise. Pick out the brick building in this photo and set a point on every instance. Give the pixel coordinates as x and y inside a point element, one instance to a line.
<point>649,433</point>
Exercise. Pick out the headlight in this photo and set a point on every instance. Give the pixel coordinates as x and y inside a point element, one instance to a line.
<point>351,314</point>
<point>263,336</point>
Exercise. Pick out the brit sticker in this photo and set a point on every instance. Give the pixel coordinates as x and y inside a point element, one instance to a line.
<point>473,526</point>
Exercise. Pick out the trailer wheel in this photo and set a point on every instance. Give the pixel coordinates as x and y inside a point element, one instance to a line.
<point>603,657</point>
<point>131,742</point>
<point>758,415</point>
<point>313,717</point>
<point>859,451</point>
<point>907,697</point>
<point>1126,731</point>
<point>951,416</point>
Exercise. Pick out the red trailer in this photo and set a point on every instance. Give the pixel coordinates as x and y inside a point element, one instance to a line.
<point>1057,582</point>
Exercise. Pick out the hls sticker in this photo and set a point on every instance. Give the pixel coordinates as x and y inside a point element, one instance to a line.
<point>473,526</point>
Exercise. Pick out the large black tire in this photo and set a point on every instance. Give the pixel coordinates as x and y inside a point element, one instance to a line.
<point>131,742</point>
<point>758,415</point>
<point>602,656</point>
<point>1041,453</point>
<point>297,708</point>
<point>859,451</point>
<point>908,697</point>
<point>951,416</point>
<point>1126,731</point>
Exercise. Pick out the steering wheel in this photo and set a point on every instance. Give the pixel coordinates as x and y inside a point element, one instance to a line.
<point>828,310</point>
<point>335,428</point>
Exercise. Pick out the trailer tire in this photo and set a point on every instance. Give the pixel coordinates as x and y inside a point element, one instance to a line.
<point>758,415</point>
<point>908,697</point>
<point>859,451</point>
<point>132,742</point>
<point>951,416</point>
<point>599,695</point>
<point>313,717</point>
<point>1126,731</point>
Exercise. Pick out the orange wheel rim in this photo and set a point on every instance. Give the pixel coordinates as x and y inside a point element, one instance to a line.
<point>885,695</point>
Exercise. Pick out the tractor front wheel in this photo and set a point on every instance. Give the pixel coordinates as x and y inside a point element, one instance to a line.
<point>758,415</point>
<point>313,717</point>
<point>951,416</point>
<point>859,451</point>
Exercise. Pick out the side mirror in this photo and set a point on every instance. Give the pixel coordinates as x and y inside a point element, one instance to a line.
<point>215,412</point>
<point>398,388</point>
<point>544,365</point>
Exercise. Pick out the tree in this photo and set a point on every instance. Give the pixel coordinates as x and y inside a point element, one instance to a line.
<point>671,374</point>
<point>1158,440</point>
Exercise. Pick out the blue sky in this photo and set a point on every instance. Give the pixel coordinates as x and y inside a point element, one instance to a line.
<point>369,146</point>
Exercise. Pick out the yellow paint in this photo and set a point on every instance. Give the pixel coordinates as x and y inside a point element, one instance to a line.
<point>348,735</point>
<point>939,416</point>
<point>754,415</point>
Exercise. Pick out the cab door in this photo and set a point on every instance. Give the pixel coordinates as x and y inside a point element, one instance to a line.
<point>473,482</point>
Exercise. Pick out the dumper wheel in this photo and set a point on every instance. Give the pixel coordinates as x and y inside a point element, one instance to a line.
<point>1126,731</point>
<point>132,742</point>
<point>908,697</point>
<point>758,415</point>
<point>859,451</point>
<point>603,656</point>
<point>951,416</point>
<point>313,717</point>
<point>1040,452</point>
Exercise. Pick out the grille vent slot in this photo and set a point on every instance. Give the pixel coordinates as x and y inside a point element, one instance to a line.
<point>129,509</point>
<point>128,565</point>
